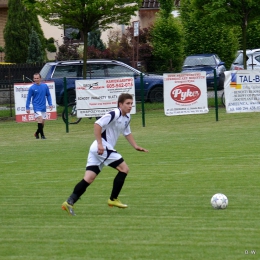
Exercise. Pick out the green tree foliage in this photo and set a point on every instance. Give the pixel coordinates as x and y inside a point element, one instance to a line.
<point>230,12</point>
<point>167,39</point>
<point>17,30</point>
<point>204,35</point>
<point>86,15</point>
<point>35,48</point>
<point>253,35</point>
<point>95,40</point>
<point>50,46</point>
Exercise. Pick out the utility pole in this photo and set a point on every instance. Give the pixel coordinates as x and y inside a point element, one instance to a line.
<point>136,35</point>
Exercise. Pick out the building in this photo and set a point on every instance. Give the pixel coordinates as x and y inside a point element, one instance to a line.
<point>48,30</point>
<point>145,16</point>
<point>3,19</point>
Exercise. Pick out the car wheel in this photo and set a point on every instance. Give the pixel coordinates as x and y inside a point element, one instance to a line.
<point>156,94</point>
<point>71,96</point>
<point>221,81</point>
<point>223,100</point>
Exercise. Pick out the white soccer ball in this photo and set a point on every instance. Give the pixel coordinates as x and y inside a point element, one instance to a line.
<point>219,201</point>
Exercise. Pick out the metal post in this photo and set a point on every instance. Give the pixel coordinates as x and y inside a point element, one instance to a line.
<point>65,102</point>
<point>137,51</point>
<point>10,87</point>
<point>216,94</point>
<point>142,98</point>
<point>133,59</point>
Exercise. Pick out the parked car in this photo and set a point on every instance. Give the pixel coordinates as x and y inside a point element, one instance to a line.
<point>252,60</point>
<point>99,69</point>
<point>206,62</point>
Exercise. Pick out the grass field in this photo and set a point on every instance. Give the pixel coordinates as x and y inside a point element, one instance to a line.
<point>168,191</point>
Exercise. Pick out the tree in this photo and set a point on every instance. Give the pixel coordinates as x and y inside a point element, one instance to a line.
<point>124,47</point>
<point>230,12</point>
<point>253,35</point>
<point>85,15</point>
<point>50,46</point>
<point>94,40</point>
<point>203,35</point>
<point>68,52</point>
<point>1,51</point>
<point>35,48</point>
<point>17,30</point>
<point>167,38</point>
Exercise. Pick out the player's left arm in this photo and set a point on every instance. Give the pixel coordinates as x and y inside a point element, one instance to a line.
<point>131,140</point>
<point>48,95</point>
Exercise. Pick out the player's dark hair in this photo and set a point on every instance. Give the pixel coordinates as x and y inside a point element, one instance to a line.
<point>37,73</point>
<point>123,97</point>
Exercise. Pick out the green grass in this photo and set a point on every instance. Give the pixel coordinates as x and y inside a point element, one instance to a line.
<point>168,191</point>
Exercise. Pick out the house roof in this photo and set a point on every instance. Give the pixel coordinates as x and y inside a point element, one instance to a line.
<point>154,4</point>
<point>150,4</point>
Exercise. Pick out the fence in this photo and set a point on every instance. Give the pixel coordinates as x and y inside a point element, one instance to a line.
<point>14,73</point>
<point>11,74</point>
<point>18,72</point>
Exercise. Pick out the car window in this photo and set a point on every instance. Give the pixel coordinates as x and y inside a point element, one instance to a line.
<point>257,58</point>
<point>239,59</point>
<point>45,70</point>
<point>114,70</point>
<point>68,71</point>
<point>218,60</point>
<point>96,70</point>
<point>199,60</point>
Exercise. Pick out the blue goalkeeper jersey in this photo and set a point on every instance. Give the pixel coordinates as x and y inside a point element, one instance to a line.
<point>38,95</point>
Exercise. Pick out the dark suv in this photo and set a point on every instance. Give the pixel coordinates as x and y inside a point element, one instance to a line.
<point>100,69</point>
<point>207,62</point>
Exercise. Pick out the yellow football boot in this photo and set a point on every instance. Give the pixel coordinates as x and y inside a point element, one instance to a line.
<point>116,203</point>
<point>69,208</point>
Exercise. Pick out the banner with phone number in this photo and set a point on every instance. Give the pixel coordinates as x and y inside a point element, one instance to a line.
<point>242,91</point>
<point>97,97</point>
<point>20,95</point>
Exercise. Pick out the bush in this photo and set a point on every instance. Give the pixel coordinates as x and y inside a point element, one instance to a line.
<point>50,40</point>
<point>51,47</point>
<point>68,52</point>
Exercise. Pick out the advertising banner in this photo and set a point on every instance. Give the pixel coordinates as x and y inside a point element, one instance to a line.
<point>20,96</point>
<point>97,97</point>
<point>242,91</point>
<point>185,93</point>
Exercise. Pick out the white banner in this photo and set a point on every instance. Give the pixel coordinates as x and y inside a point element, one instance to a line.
<point>20,96</point>
<point>185,93</point>
<point>242,91</point>
<point>97,97</point>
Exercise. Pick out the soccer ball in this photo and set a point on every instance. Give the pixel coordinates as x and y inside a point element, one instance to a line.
<point>219,201</point>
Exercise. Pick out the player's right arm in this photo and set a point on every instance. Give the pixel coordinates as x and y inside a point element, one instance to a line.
<point>28,100</point>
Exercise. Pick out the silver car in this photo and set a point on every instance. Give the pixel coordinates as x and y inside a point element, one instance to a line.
<point>253,60</point>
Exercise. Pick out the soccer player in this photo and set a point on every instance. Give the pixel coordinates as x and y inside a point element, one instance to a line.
<point>38,93</point>
<point>107,129</point>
